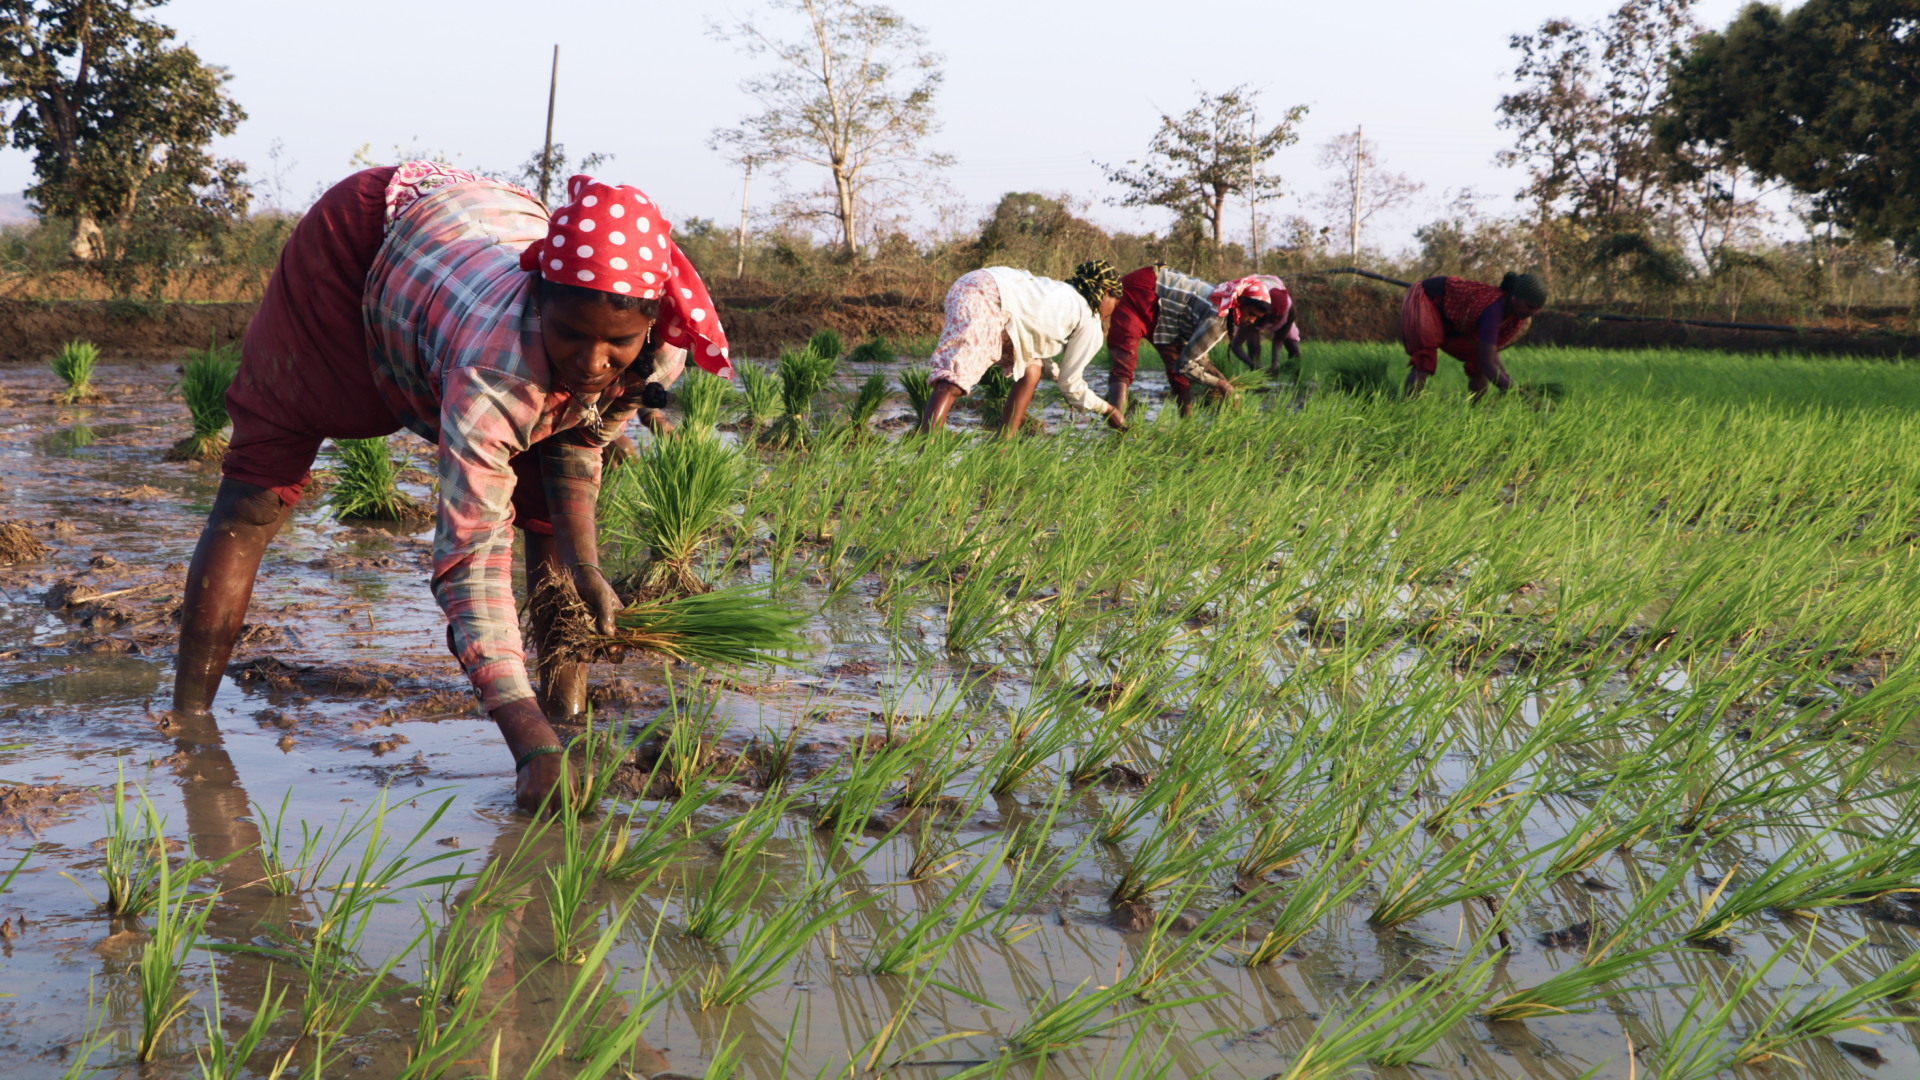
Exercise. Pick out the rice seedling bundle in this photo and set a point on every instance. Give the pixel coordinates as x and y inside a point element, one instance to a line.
<point>702,396</point>
<point>874,350</point>
<point>74,365</point>
<point>667,503</point>
<point>866,402</point>
<point>914,382</point>
<point>366,483</point>
<point>204,379</point>
<point>826,343</point>
<point>803,374</point>
<point>760,393</point>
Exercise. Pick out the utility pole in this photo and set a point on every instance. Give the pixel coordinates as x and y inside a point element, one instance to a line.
<point>546,154</point>
<point>740,269</point>
<point>1253,183</point>
<point>1359,155</point>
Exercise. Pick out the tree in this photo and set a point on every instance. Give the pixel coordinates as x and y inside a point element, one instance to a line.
<point>118,120</point>
<point>1826,98</point>
<point>838,99</point>
<point>1362,186</point>
<point>1198,160</point>
<point>1586,112</point>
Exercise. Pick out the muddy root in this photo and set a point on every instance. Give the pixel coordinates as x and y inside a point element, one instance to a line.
<point>561,629</point>
<point>198,448</point>
<point>18,544</point>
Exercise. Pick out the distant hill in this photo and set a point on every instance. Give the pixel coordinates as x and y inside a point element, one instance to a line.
<point>14,210</point>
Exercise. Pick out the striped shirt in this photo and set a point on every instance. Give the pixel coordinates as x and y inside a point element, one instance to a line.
<point>456,348</point>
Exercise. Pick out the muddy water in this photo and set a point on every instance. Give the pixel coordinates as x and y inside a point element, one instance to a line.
<point>383,718</point>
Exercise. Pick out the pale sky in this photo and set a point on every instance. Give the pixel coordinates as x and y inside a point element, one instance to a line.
<point>1035,92</point>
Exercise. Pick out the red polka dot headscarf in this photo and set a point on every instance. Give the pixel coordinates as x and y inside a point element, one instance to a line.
<point>612,238</point>
<point>1228,293</point>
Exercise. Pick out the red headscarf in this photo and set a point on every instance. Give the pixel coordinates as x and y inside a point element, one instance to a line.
<point>612,238</point>
<point>1228,293</point>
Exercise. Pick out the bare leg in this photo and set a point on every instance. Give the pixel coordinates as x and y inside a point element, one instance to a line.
<point>1017,402</point>
<point>1416,382</point>
<point>939,403</point>
<point>563,686</point>
<point>220,586</point>
<point>1477,386</point>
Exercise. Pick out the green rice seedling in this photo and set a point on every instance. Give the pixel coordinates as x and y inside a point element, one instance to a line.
<point>366,483</point>
<point>996,387</point>
<point>459,956</point>
<point>1696,1049</point>
<point>672,496</point>
<point>204,380</point>
<point>1367,1034</point>
<point>587,997</point>
<point>874,350</point>
<point>1442,1001</point>
<point>1468,868</point>
<point>874,764</point>
<point>941,925</point>
<point>569,884</point>
<point>1176,851</point>
<point>174,929</point>
<point>1307,901</point>
<point>1061,1023</point>
<point>772,940</point>
<point>725,900</point>
<point>803,374</point>
<point>760,394</point>
<point>1035,735</point>
<point>702,396</point>
<point>1360,378</point>
<point>1575,987</point>
<point>640,852</point>
<point>914,382</point>
<point>90,1040</point>
<point>74,365</point>
<point>7,882</point>
<point>1832,1011</point>
<point>867,401</point>
<point>283,877</point>
<point>135,855</point>
<point>826,342</point>
<point>220,1059</point>
<point>1799,880</point>
<point>1164,962</point>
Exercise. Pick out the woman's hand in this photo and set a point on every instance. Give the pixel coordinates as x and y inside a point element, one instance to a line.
<point>599,597</point>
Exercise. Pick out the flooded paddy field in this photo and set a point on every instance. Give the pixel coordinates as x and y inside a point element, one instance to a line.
<point>1330,735</point>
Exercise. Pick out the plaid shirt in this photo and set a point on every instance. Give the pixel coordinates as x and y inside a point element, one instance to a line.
<point>457,352</point>
<point>1187,320</point>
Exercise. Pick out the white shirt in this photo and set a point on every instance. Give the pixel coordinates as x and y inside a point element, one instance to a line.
<point>1048,319</point>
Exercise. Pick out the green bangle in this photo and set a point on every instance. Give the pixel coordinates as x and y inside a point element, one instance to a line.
<point>521,761</point>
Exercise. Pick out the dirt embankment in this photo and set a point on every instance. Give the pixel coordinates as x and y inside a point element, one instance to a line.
<point>763,324</point>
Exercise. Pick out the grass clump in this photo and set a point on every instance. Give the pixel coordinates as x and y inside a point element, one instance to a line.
<point>203,384</point>
<point>366,483</point>
<point>803,374</point>
<point>74,365</point>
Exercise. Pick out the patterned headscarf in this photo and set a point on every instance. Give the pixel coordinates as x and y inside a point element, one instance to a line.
<point>1095,280</point>
<point>613,239</point>
<point>1228,293</point>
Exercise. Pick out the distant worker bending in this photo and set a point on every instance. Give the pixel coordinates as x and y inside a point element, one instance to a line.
<point>1184,317</point>
<point>1469,321</point>
<point>1026,325</point>
<point>1280,324</point>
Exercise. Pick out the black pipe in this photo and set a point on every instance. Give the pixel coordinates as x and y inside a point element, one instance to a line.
<point>1604,318</point>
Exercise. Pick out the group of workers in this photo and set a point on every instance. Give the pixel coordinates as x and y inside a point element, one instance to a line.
<point>1029,326</point>
<point>520,342</point>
